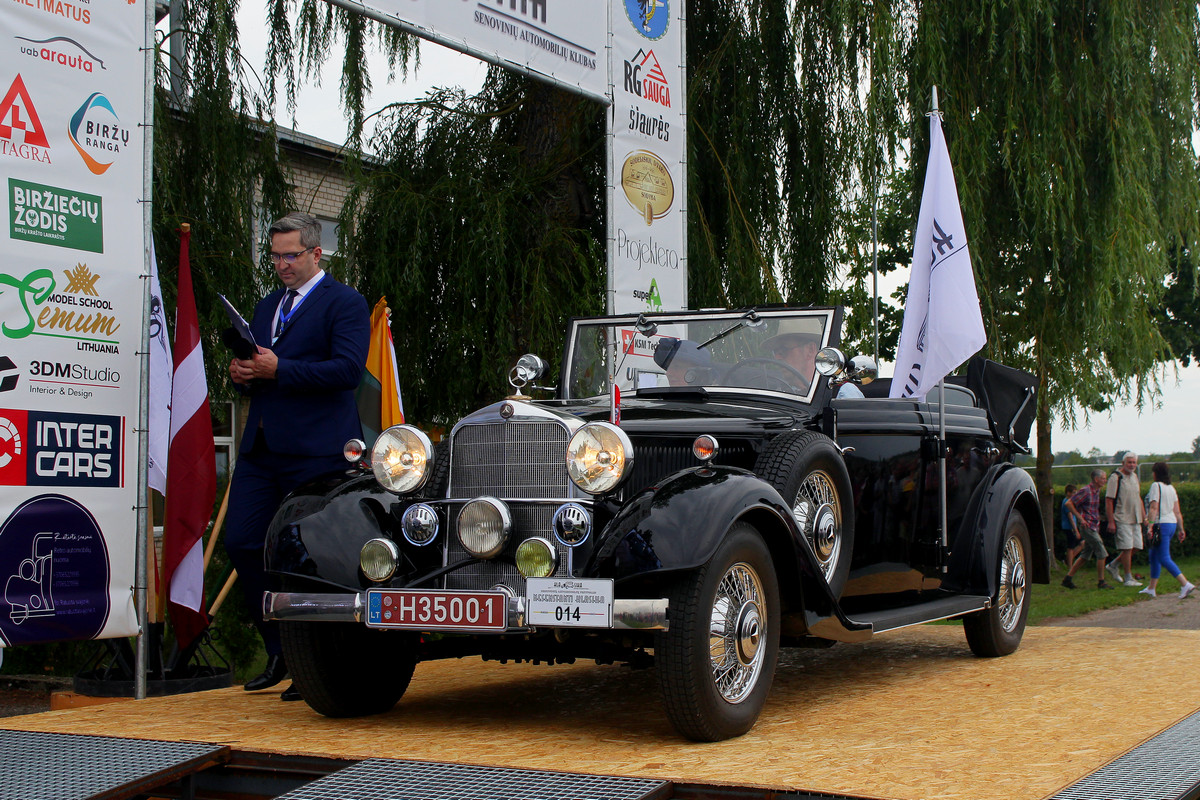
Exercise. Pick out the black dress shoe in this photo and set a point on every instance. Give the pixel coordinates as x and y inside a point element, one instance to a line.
<point>290,693</point>
<point>275,672</point>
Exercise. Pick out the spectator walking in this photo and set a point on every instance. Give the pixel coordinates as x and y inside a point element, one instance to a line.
<point>1125,515</point>
<point>1162,502</point>
<point>1070,526</point>
<point>1085,506</point>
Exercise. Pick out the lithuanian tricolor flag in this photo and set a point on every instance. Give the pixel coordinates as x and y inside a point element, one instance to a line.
<point>379,403</point>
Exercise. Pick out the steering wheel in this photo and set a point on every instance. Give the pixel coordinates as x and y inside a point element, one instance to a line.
<point>763,364</point>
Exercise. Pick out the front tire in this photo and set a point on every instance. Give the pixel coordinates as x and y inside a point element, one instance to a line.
<point>808,471</point>
<point>997,631</point>
<point>717,660</point>
<point>344,669</point>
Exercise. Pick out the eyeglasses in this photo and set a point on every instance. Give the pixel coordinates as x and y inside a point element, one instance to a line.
<point>290,258</point>
<point>783,350</point>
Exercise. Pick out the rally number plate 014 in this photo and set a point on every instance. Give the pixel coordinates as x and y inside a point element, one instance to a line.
<point>420,609</point>
<point>569,602</point>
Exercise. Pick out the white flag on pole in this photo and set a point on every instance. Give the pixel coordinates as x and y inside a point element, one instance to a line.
<point>943,326</point>
<point>161,369</point>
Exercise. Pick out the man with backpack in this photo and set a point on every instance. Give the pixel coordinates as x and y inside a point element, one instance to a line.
<point>1125,516</point>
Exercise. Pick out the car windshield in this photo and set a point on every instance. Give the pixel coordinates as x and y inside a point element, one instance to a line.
<point>752,351</point>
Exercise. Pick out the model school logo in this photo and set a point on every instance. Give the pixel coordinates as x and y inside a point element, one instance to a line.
<point>32,305</point>
<point>59,217</point>
<point>62,51</point>
<point>649,17</point>
<point>645,78</point>
<point>97,133</point>
<point>21,132</point>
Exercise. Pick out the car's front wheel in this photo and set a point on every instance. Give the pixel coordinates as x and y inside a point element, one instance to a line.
<point>717,660</point>
<point>997,631</point>
<point>343,669</point>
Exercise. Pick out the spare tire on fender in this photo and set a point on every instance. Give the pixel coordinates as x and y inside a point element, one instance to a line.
<point>808,470</point>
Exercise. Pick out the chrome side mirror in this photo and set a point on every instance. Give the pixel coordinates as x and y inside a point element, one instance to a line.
<point>863,370</point>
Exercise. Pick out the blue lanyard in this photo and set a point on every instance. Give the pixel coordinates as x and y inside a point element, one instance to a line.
<point>300,298</point>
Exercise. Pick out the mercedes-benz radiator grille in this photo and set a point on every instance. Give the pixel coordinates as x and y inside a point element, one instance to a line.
<point>511,459</point>
<point>528,519</point>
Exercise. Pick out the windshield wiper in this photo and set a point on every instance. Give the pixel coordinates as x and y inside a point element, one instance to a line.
<point>749,319</point>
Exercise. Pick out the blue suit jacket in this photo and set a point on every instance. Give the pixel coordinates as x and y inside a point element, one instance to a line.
<point>309,408</point>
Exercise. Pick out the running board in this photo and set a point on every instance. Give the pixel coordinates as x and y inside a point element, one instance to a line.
<point>943,608</point>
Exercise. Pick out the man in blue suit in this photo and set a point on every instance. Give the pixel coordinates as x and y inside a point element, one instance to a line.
<point>302,407</point>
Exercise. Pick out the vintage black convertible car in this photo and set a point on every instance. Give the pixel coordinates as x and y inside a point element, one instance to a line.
<point>729,503</point>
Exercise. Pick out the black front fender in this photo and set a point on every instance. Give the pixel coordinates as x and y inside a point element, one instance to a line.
<point>320,528</point>
<point>678,524</point>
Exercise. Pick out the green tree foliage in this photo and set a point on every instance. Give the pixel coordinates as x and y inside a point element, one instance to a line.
<point>1070,128</point>
<point>215,163</point>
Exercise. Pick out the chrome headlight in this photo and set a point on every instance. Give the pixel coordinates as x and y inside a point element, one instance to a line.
<point>830,361</point>
<point>483,527</point>
<point>572,524</point>
<point>400,458</point>
<point>378,559</point>
<point>419,524</point>
<point>599,457</point>
<point>536,558</point>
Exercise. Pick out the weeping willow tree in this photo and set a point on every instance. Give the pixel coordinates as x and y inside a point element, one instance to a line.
<point>1070,127</point>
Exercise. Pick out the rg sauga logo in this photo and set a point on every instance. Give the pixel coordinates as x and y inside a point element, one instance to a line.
<point>97,133</point>
<point>39,448</point>
<point>21,132</point>
<point>649,17</point>
<point>33,305</point>
<point>644,77</point>
<point>63,51</point>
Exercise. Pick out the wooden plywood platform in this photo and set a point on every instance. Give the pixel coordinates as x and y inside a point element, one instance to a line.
<point>909,715</point>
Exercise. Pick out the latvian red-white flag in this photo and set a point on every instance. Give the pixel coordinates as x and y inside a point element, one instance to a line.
<point>191,468</point>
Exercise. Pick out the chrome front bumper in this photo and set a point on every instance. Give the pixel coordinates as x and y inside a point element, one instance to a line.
<point>639,615</point>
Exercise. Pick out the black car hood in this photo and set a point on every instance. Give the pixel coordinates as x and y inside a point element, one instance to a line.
<point>687,413</point>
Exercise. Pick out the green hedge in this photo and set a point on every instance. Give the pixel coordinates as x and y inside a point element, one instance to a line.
<point>1189,505</point>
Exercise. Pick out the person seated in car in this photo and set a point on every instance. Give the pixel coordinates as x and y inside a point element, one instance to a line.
<point>686,364</point>
<point>796,344</point>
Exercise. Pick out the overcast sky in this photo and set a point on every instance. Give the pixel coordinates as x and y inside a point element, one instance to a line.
<point>1169,428</point>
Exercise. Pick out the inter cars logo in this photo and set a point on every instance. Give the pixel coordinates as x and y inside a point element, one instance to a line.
<point>97,133</point>
<point>21,131</point>
<point>39,448</point>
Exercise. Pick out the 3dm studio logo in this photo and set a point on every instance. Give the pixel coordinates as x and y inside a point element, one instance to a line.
<point>645,78</point>
<point>55,216</point>
<point>97,133</point>
<point>62,51</point>
<point>649,17</point>
<point>9,374</point>
<point>21,132</point>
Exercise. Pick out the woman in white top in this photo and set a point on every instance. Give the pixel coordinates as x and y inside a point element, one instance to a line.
<point>1163,509</point>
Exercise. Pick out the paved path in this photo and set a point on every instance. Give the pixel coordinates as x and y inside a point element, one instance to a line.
<point>1164,611</point>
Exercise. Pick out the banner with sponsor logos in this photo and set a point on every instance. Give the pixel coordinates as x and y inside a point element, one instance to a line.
<point>647,197</point>
<point>72,99</point>
<point>560,40</point>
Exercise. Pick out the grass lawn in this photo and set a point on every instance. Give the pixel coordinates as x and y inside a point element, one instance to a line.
<point>1055,600</point>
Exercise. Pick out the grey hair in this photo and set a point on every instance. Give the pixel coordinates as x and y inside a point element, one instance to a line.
<point>308,225</point>
<point>1098,473</point>
<point>1127,454</point>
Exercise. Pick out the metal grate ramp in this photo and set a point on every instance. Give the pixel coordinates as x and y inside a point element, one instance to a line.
<point>1166,767</point>
<point>67,766</point>
<point>387,779</point>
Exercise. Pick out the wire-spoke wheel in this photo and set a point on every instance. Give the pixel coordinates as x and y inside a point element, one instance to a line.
<point>819,511</point>
<point>717,660</point>
<point>997,631</point>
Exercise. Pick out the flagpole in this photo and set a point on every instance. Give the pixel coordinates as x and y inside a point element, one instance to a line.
<point>942,426</point>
